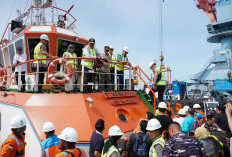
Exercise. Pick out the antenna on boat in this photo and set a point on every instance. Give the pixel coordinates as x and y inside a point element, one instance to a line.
<point>41,15</point>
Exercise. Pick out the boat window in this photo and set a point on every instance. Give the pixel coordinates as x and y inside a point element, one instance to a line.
<point>32,42</point>
<point>19,43</point>
<point>12,53</point>
<point>1,60</point>
<point>63,46</point>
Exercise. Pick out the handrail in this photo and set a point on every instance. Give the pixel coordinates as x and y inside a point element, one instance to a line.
<point>144,73</point>
<point>10,66</point>
<point>133,68</point>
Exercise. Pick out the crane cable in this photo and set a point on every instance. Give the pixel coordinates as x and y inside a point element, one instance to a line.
<point>160,30</point>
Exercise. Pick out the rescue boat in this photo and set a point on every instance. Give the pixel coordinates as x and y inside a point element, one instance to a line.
<point>76,110</point>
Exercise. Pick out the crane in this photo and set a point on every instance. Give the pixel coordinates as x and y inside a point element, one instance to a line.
<point>208,7</point>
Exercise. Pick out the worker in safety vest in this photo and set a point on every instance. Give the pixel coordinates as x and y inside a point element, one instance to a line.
<point>105,76</point>
<point>110,148</point>
<point>74,62</point>
<point>122,58</point>
<point>89,51</point>
<point>178,107</point>
<point>158,82</point>
<point>153,127</point>
<point>68,140</point>
<point>40,52</point>
<point>14,145</point>
<point>50,146</point>
<point>113,59</point>
<point>169,109</point>
<point>197,109</point>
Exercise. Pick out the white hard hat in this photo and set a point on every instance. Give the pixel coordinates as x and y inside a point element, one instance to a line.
<point>69,135</point>
<point>196,106</point>
<point>48,126</point>
<point>186,108</point>
<point>153,124</point>
<point>150,64</point>
<point>115,131</point>
<point>126,49</point>
<point>44,36</point>
<point>18,122</point>
<point>182,112</point>
<point>162,105</point>
<point>111,47</point>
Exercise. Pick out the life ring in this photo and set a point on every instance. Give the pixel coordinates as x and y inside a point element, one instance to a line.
<point>3,76</point>
<point>52,68</point>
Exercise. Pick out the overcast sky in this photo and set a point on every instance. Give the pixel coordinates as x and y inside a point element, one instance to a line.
<point>135,23</point>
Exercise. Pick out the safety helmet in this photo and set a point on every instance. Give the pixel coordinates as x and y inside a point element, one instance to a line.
<point>48,126</point>
<point>126,49</point>
<point>182,112</point>
<point>44,36</point>
<point>186,108</point>
<point>153,124</point>
<point>196,106</point>
<point>115,131</point>
<point>162,105</point>
<point>151,63</point>
<point>18,122</point>
<point>111,47</point>
<point>69,135</point>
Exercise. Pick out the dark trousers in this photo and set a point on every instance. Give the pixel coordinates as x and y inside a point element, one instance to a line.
<point>160,90</point>
<point>112,75</point>
<point>105,78</point>
<point>88,77</point>
<point>22,79</point>
<point>121,79</point>
<point>40,82</point>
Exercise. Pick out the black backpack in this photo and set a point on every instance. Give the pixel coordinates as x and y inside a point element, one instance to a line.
<point>140,148</point>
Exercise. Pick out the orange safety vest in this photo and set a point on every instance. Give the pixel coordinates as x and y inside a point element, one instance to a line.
<point>13,147</point>
<point>75,151</point>
<point>203,116</point>
<point>52,151</point>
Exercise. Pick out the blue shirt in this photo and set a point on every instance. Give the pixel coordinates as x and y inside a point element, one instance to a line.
<point>188,123</point>
<point>96,143</point>
<point>119,57</point>
<point>50,142</point>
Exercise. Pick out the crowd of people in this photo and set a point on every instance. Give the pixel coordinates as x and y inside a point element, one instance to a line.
<point>192,134</point>
<point>99,70</point>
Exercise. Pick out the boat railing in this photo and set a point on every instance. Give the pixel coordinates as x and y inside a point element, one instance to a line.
<point>115,86</point>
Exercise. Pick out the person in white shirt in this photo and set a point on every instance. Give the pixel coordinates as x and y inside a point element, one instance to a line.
<point>182,113</point>
<point>90,51</point>
<point>20,57</point>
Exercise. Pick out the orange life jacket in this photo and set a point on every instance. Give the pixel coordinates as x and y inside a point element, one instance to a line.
<point>75,151</point>
<point>13,147</point>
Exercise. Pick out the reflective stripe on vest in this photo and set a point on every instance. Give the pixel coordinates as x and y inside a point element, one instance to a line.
<point>113,59</point>
<point>160,141</point>
<point>73,62</point>
<point>20,145</point>
<point>76,152</point>
<point>120,67</point>
<point>88,63</point>
<point>110,151</point>
<point>162,81</point>
<point>38,54</point>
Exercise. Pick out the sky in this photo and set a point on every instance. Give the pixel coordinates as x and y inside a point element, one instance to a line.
<point>135,23</point>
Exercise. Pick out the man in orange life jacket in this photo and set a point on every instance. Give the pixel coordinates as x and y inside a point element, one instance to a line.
<point>68,139</point>
<point>50,146</point>
<point>14,145</point>
<point>197,109</point>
